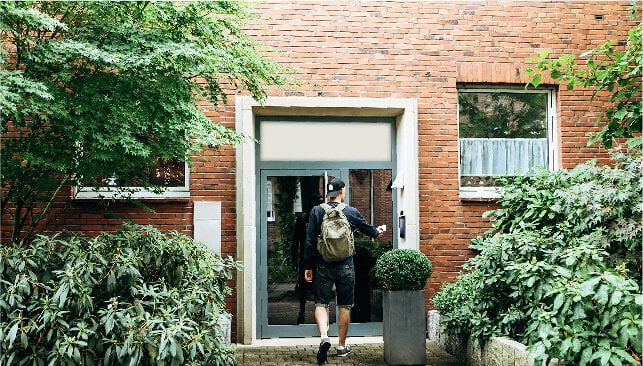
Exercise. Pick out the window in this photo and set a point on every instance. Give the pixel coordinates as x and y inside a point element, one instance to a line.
<point>173,175</point>
<point>269,204</point>
<point>503,132</point>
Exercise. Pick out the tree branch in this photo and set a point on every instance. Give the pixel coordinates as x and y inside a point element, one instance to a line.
<point>16,221</point>
<point>62,209</point>
<point>43,213</point>
<point>7,198</point>
<point>62,20</point>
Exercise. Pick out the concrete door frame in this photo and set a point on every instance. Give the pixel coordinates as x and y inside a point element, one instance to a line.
<point>405,112</point>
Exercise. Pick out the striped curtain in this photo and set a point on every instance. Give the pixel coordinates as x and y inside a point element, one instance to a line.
<point>502,156</point>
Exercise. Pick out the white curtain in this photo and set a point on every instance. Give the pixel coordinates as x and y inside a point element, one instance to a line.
<point>492,157</point>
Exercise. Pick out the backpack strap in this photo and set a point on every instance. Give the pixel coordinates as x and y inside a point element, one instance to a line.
<point>327,208</point>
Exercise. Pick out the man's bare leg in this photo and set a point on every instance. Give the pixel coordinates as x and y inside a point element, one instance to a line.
<point>321,316</point>
<point>342,324</point>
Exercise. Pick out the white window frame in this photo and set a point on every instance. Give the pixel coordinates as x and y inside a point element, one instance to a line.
<point>96,193</point>
<point>270,202</point>
<point>297,204</point>
<point>552,136</point>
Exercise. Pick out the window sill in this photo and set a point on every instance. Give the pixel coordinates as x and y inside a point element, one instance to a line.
<point>170,195</point>
<point>479,194</point>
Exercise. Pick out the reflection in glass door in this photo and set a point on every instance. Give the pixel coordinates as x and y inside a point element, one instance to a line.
<point>286,301</point>
<point>289,201</point>
<point>371,194</point>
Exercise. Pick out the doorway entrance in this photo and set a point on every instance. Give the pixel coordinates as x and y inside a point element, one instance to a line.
<point>401,114</point>
<point>285,300</point>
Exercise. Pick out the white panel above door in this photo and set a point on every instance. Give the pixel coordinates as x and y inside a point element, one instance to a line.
<point>325,141</point>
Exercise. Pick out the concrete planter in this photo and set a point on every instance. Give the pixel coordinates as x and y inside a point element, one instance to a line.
<point>498,351</point>
<point>404,327</point>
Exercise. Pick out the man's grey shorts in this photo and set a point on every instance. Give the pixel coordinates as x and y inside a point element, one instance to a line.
<point>342,276</point>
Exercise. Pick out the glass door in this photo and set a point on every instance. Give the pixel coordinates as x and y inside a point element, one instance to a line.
<point>285,301</point>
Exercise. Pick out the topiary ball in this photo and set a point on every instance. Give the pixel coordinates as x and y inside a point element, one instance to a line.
<point>402,270</point>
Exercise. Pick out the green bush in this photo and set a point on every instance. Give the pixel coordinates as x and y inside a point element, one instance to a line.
<point>134,297</point>
<point>560,268</point>
<point>402,269</point>
<point>454,302</point>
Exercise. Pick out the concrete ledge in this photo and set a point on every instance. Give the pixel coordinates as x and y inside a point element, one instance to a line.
<point>498,351</point>
<point>309,341</point>
<point>225,320</point>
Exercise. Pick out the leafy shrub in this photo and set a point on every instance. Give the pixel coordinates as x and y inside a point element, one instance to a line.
<point>454,302</point>
<point>134,297</point>
<point>560,268</point>
<point>402,269</point>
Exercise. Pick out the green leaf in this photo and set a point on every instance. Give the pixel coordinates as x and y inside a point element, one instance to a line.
<point>616,297</point>
<point>605,356</point>
<point>615,360</point>
<point>635,142</point>
<point>12,333</point>
<point>620,114</point>
<point>564,271</point>
<point>538,351</point>
<point>558,301</point>
<point>109,324</point>
<point>579,311</point>
<point>24,340</point>
<point>586,356</point>
<point>587,287</point>
<point>601,295</point>
<point>626,356</point>
<point>535,81</point>
<point>564,347</point>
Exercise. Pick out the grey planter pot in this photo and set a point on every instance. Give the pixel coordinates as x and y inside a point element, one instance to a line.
<point>404,327</point>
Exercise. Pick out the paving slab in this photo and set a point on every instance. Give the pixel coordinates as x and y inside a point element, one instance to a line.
<point>361,354</point>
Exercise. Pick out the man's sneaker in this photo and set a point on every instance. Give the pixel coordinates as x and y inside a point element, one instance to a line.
<point>322,354</point>
<point>343,351</point>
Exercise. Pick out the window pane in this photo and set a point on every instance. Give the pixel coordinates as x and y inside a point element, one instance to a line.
<point>325,141</point>
<point>503,115</point>
<point>501,134</point>
<point>166,174</point>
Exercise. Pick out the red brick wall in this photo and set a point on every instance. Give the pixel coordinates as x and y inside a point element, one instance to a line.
<point>422,50</point>
<point>419,50</point>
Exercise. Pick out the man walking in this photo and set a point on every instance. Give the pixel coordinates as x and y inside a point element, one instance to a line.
<point>329,249</point>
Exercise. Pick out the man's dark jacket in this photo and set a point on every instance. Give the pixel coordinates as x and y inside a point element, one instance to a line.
<point>312,258</point>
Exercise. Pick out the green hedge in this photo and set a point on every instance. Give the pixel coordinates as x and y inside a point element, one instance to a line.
<point>560,268</point>
<point>134,297</point>
<point>402,269</point>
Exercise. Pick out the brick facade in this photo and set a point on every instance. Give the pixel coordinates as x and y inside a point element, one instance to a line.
<point>419,50</point>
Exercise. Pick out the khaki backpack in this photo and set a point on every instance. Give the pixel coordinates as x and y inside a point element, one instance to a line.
<point>336,240</point>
